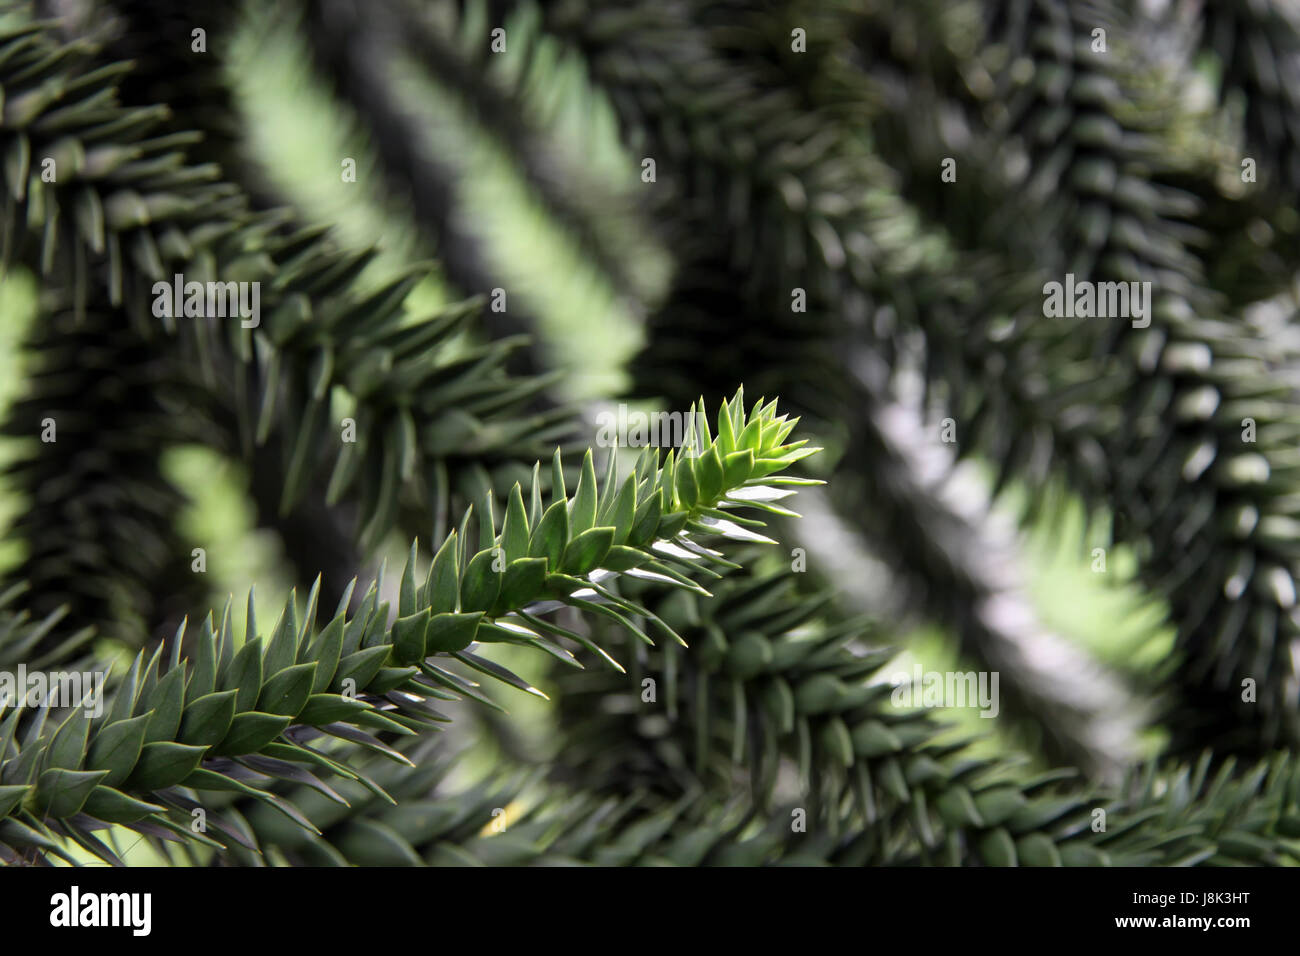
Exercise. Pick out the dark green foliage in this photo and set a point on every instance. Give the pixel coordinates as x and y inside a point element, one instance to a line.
<point>259,703</point>
<point>127,212</point>
<point>100,519</point>
<point>739,713</point>
<point>1257,47</point>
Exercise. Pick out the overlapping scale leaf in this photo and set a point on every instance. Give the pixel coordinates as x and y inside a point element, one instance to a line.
<point>775,678</point>
<point>130,211</point>
<point>180,723</point>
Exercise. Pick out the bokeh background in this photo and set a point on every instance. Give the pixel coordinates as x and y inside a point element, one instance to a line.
<point>522,170</point>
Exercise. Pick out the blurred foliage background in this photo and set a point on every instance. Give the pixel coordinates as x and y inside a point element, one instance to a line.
<point>297,134</point>
<point>521,169</point>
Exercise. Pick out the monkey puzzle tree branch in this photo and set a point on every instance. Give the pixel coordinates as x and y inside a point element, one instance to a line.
<point>210,716</point>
